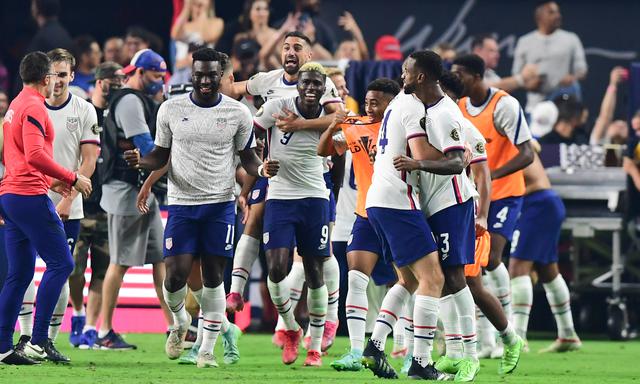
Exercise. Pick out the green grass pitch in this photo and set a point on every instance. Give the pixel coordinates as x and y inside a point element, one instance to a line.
<point>597,362</point>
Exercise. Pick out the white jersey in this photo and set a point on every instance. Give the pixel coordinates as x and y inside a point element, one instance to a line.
<point>301,169</point>
<point>403,120</point>
<point>445,132</point>
<point>346,204</point>
<point>475,139</point>
<point>75,123</point>
<point>272,85</point>
<point>203,142</point>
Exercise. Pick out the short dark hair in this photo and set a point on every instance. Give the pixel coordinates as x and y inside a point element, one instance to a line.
<point>478,40</point>
<point>472,63</point>
<point>209,54</point>
<point>429,62</point>
<point>34,67</point>
<point>48,8</point>
<point>139,32</point>
<point>452,83</point>
<point>384,85</point>
<point>299,35</point>
<point>569,107</point>
<point>61,54</point>
<point>82,44</point>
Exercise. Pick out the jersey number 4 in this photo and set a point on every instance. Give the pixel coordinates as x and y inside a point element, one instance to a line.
<point>382,143</point>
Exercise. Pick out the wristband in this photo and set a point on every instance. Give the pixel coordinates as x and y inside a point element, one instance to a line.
<point>612,88</point>
<point>260,169</point>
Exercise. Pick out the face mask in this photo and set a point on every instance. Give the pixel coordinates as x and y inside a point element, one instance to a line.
<point>153,87</point>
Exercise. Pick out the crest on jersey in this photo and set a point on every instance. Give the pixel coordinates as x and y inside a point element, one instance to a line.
<point>168,242</point>
<point>96,129</point>
<point>73,123</point>
<point>260,112</point>
<point>455,135</point>
<point>480,147</point>
<point>255,194</point>
<point>265,237</point>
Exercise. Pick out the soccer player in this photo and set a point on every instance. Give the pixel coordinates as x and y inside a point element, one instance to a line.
<point>201,200</point>
<point>297,211</point>
<point>296,51</point>
<point>535,245</point>
<point>501,121</point>
<point>75,147</point>
<point>394,212</point>
<point>359,136</point>
<point>32,224</point>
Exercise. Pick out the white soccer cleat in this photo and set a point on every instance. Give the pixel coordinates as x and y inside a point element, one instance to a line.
<point>174,344</point>
<point>35,352</point>
<point>206,360</point>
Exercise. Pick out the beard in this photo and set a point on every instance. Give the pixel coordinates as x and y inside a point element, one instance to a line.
<point>409,88</point>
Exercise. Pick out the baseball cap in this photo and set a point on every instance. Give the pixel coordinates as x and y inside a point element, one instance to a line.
<point>543,117</point>
<point>146,59</point>
<point>108,70</point>
<point>246,49</point>
<point>388,48</point>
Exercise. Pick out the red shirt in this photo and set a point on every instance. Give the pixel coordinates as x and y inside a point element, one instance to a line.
<point>28,147</point>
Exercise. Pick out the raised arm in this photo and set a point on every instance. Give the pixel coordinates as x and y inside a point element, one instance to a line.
<point>607,107</point>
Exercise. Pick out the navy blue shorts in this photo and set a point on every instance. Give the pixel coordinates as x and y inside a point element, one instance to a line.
<point>363,238</point>
<point>332,207</point>
<point>455,232</point>
<point>200,230</point>
<point>538,230</point>
<point>404,235</point>
<point>259,192</point>
<point>72,230</point>
<point>503,216</point>
<point>302,223</point>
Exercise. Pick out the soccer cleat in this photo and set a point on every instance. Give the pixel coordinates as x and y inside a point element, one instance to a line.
<point>375,360</point>
<point>34,351</point>
<point>113,341</point>
<point>313,359</point>
<point>563,345</point>
<point>467,370</point>
<point>511,357</point>
<point>17,358</point>
<point>278,338</point>
<point>399,352</point>
<point>406,364</point>
<point>22,343</point>
<point>206,360</point>
<point>329,334</point>
<point>190,357</point>
<point>230,344</point>
<point>448,365</point>
<point>350,361</point>
<point>51,353</point>
<point>173,346</point>
<point>291,344</point>
<point>88,339</point>
<point>235,303</point>
<point>77,324</point>
<point>429,372</point>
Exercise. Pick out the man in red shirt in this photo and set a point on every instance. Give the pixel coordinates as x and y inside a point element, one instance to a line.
<point>32,224</point>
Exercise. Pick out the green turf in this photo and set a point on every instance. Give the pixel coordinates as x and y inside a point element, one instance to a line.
<point>598,362</point>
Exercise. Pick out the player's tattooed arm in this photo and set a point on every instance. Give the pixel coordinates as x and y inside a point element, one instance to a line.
<point>518,162</point>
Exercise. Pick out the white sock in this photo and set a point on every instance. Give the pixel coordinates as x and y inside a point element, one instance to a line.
<point>246,254</point>
<point>452,332</point>
<point>390,310</point>
<point>466,309</point>
<point>81,312</point>
<point>502,286</point>
<point>175,302</point>
<point>25,316</point>
<point>281,297</point>
<point>508,335</point>
<point>486,330</point>
<point>425,319</point>
<point>317,303</point>
<point>560,302</point>
<point>356,309</point>
<point>375,296</point>
<point>295,283</point>
<point>522,297</point>
<point>398,333</point>
<point>409,335</point>
<point>213,308</point>
<point>58,312</point>
<point>331,273</point>
<point>197,295</point>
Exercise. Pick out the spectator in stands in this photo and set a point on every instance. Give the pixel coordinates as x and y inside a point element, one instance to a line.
<point>543,118</point>
<point>136,39</point>
<point>337,76</point>
<point>254,25</point>
<point>4,76</point>
<point>631,165</point>
<point>447,52</point>
<point>245,58</point>
<point>606,130</point>
<point>486,46</point>
<point>195,27</point>
<point>112,49</point>
<point>388,48</point>
<point>355,47</point>
<point>88,56</point>
<point>51,34</point>
<point>316,29</point>
<point>570,117</point>
<point>4,104</point>
<point>557,53</point>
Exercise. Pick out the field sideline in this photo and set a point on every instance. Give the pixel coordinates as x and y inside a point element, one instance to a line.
<point>598,362</point>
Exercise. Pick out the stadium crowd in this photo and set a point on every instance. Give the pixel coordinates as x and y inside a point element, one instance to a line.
<point>259,153</point>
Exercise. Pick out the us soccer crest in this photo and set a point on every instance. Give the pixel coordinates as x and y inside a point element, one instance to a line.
<point>168,242</point>
<point>73,123</point>
<point>455,135</point>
